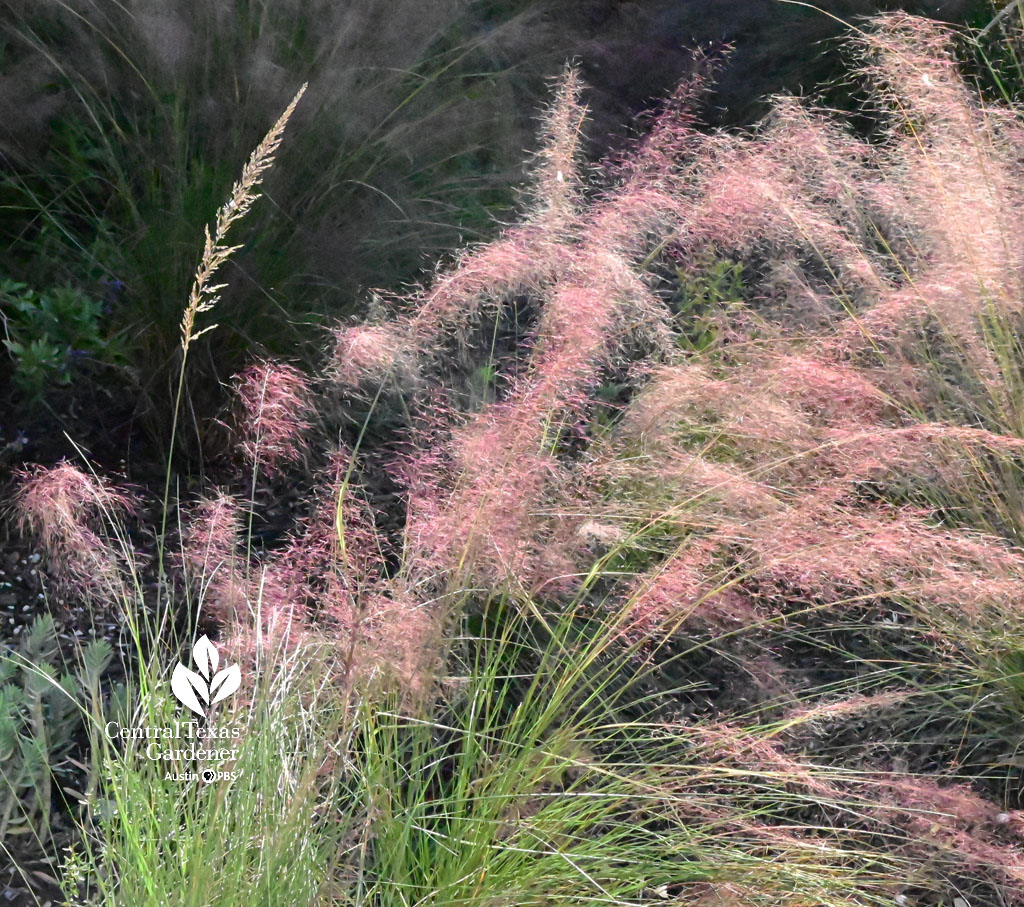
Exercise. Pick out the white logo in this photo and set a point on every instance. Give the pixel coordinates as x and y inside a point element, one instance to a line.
<point>200,691</point>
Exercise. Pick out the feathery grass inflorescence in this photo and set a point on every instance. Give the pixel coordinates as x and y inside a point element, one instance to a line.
<point>203,295</point>
<point>71,513</point>
<point>833,466</point>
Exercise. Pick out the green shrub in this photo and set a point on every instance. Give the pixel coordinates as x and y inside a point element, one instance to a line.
<point>46,332</point>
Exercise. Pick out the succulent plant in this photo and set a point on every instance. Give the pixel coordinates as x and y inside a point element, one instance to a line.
<point>43,702</point>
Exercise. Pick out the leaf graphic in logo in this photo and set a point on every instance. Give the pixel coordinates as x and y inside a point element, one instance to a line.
<point>225,683</point>
<point>204,654</point>
<point>185,684</point>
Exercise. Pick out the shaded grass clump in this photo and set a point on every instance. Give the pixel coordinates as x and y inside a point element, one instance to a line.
<point>126,141</point>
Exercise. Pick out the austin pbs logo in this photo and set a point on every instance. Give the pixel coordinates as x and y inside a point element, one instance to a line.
<point>199,692</point>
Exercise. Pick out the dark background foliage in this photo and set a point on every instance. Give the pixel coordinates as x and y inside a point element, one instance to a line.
<point>122,127</point>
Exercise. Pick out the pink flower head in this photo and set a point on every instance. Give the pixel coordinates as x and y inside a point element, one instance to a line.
<point>76,516</point>
<point>276,404</point>
<point>211,558</point>
<point>367,353</point>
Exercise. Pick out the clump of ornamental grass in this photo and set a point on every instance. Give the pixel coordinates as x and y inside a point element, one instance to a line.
<point>805,483</point>
<point>745,630</point>
<point>275,400</point>
<point>832,467</point>
<point>528,785</point>
<point>265,828</point>
<point>121,125</point>
<point>130,799</point>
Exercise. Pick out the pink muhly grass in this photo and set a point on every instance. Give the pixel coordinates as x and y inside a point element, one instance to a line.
<point>723,745</point>
<point>753,196</point>
<point>528,257</point>
<point>76,517</point>
<point>503,450</point>
<point>540,256</point>
<point>338,541</point>
<point>274,620</point>
<point>837,710</point>
<point>212,562</point>
<point>785,422</point>
<point>688,589</point>
<point>557,182</point>
<point>951,818</point>
<point>780,397</point>
<point>589,290</point>
<point>486,523</point>
<point>327,588</point>
<point>833,392</point>
<point>663,486</point>
<point>953,167</point>
<point>792,422</point>
<point>524,260</point>
<point>753,465</point>
<point>814,540</point>
<point>938,454</point>
<point>948,825</point>
<point>369,353</point>
<point>257,605</point>
<point>679,399</point>
<point>829,551</point>
<point>276,405</point>
<point>397,636</point>
<point>919,227</point>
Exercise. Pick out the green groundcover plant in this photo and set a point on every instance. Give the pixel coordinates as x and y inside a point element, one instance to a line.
<point>46,332</point>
